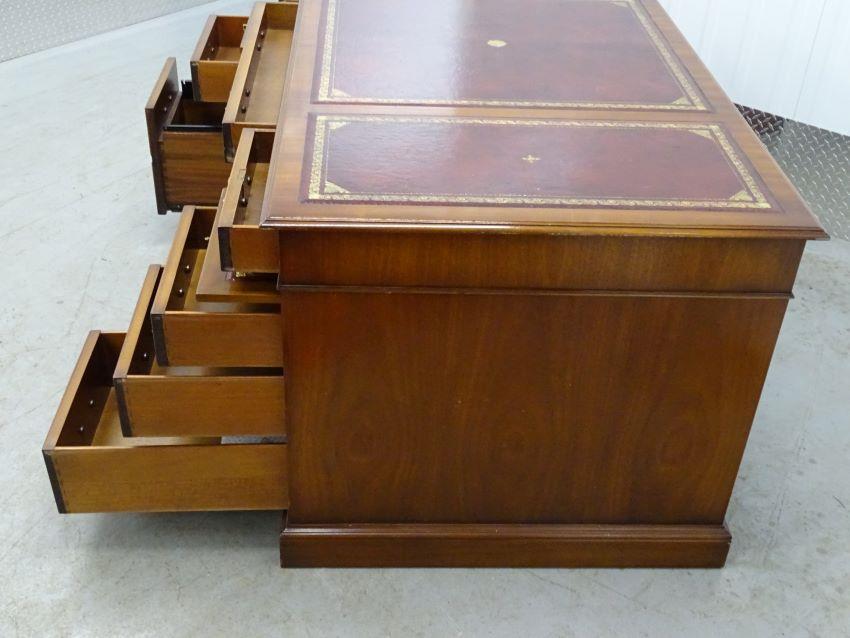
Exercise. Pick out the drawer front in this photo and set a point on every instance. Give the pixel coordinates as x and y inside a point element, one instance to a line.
<point>220,340</point>
<point>201,406</point>
<point>258,87</point>
<point>199,401</point>
<point>216,285</point>
<point>94,468</point>
<point>243,245</point>
<point>186,144</point>
<point>216,57</point>
<point>190,332</point>
<point>194,168</point>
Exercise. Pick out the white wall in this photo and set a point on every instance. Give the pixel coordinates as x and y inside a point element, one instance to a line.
<point>789,57</point>
<point>27,26</point>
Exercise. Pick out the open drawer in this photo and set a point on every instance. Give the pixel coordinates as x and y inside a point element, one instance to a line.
<point>94,468</point>
<point>190,332</point>
<point>257,91</point>
<point>243,245</point>
<point>190,401</point>
<point>214,284</point>
<point>216,57</point>
<point>186,144</point>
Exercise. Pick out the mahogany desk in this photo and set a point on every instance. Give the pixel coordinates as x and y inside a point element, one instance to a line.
<point>531,266</point>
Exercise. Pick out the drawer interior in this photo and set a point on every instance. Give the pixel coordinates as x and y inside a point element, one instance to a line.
<point>216,58</point>
<point>217,285</point>
<point>173,108</point>
<point>186,143</point>
<point>244,246</point>
<point>156,400</point>
<point>190,115</point>
<point>258,87</point>
<point>93,467</point>
<point>92,413</point>
<point>269,60</point>
<point>221,40</point>
<point>136,358</point>
<point>256,166</point>
<point>177,291</point>
<point>191,331</point>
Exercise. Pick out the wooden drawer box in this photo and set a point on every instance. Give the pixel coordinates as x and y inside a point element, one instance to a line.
<point>217,285</point>
<point>244,246</point>
<point>190,401</point>
<point>216,57</point>
<point>189,332</point>
<point>186,144</point>
<point>257,91</point>
<point>94,468</point>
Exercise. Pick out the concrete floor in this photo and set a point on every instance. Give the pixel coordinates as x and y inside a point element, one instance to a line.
<point>77,229</point>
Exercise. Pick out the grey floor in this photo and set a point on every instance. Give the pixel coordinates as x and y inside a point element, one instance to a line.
<point>79,228</point>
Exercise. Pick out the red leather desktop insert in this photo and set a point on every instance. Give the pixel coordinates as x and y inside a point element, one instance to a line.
<point>550,53</point>
<point>529,162</point>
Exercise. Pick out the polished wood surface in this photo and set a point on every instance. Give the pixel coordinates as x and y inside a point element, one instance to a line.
<point>453,545</point>
<point>539,262</point>
<point>186,145</point>
<point>157,401</point>
<point>93,467</point>
<point>216,57</point>
<point>521,167</point>
<point>254,100</point>
<point>217,285</point>
<point>493,408</point>
<point>190,332</point>
<point>244,246</point>
<point>526,322</point>
<point>520,270</point>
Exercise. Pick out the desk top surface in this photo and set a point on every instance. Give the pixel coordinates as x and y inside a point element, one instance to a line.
<point>548,116</point>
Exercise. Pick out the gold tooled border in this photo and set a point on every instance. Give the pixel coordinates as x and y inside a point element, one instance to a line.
<point>321,190</point>
<point>690,100</point>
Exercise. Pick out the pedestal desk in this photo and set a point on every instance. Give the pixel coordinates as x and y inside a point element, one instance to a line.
<point>499,285</point>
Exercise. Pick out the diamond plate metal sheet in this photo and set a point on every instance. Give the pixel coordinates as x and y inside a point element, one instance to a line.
<point>816,160</point>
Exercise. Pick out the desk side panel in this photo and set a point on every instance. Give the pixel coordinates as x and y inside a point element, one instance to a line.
<point>520,408</point>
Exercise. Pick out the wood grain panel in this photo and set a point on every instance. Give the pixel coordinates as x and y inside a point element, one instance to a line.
<point>506,261</point>
<point>228,339</point>
<point>480,408</point>
<point>193,166</point>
